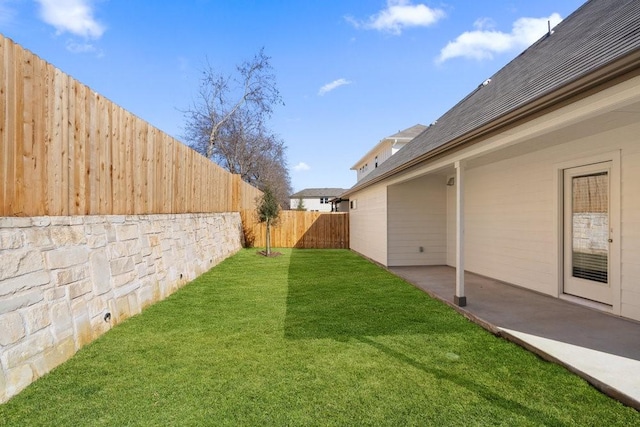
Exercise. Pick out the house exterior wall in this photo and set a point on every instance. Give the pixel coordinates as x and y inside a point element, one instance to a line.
<point>312,204</point>
<point>368,223</point>
<point>383,152</point>
<point>417,219</point>
<point>513,194</point>
<point>511,211</point>
<point>343,206</point>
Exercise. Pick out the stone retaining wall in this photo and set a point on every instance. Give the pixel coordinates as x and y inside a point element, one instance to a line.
<point>64,281</point>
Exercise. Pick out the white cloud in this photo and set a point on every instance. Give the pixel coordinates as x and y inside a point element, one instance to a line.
<point>484,42</point>
<point>74,47</point>
<point>333,85</point>
<point>302,166</point>
<point>398,15</point>
<point>72,16</point>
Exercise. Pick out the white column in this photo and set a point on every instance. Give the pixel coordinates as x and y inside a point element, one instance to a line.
<point>459,298</point>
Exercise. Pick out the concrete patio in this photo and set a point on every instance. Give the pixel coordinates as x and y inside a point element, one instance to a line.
<point>601,348</point>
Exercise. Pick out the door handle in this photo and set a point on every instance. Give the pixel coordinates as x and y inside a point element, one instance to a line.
<point>610,240</point>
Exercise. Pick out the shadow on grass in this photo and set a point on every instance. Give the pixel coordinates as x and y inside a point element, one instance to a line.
<point>467,383</point>
<point>336,294</point>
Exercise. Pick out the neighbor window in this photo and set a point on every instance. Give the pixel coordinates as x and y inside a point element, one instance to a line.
<point>324,200</point>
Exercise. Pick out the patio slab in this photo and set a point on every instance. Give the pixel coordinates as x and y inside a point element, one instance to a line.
<point>602,348</point>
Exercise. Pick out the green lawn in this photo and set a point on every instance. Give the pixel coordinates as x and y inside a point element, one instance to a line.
<point>313,337</point>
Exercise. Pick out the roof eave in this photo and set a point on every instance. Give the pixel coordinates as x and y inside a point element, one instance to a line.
<point>623,68</point>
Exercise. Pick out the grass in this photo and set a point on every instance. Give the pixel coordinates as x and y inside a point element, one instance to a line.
<point>313,337</point>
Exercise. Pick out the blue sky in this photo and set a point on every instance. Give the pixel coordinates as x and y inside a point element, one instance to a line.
<point>350,72</point>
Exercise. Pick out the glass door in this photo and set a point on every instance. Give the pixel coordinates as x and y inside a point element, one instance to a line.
<point>587,232</point>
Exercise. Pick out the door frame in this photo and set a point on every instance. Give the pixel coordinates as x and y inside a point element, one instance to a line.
<point>614,224</point>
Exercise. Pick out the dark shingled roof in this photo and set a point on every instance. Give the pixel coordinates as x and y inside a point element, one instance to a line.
<point>318,192</point>
<point>408,133</point>
<point>597,34</point>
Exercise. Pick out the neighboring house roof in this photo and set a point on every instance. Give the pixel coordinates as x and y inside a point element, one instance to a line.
<point>403,135</point>
<point>317,192</point>
<point>598,41</point>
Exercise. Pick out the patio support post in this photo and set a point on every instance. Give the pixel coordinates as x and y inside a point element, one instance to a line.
<point>459,299</point>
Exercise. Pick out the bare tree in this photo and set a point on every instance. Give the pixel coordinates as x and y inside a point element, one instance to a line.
<point>227,123</point>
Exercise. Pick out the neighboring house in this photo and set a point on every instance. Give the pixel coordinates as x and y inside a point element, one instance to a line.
<point>385,149</point>
<point>315,199</point>
<point>533,178</point>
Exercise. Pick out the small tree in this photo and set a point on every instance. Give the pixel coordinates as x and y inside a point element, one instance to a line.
<point>301,206</point>
<point>268,212</point>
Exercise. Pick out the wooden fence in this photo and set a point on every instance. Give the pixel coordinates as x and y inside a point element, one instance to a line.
<point>66,150</point>
<point>299,229</point>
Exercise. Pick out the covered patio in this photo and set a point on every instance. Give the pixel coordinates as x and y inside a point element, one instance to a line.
<point>601,348</point>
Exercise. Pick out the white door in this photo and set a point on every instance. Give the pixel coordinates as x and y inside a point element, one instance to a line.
<point>587,232</point>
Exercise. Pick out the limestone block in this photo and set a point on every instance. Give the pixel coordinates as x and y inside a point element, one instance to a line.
<point>61,320</point>
<point>97,241</point>
<point>54,294</point>
<point>123,311</point>
<point>117,250</point>
<point>68,235</point>
<point>76,220</point>
<point>94,219</point>
<point>146,295</point>
<point>60,220</point>
<point>127,232</point>
<point>3,387</point>
<point>97,307</point>
<point>133,247</point>
<point>41,221</point>
<point>22,283</point>
<point>23,299</point>
<point>154,240</point>
<point>134,305</point>
<point>17,379</point>
<point>36,317</point>
<point>142,270</point>
<point>113,309</point>
<point>19,262</point>
<point>67,256</point>
<point>126,289</point>
<point>145,247</point>
<point>80,288</point>
<point>121,265</point>
<point>110,232</point>
<point>38,237</point>
<point>94,228</point>
<point>26,349</point>
<point>99,326</point>
<point>11,239</point>
<point>71,274</point>
<point>15,222</point>
<point>12,328</point>
<point>81,323</point>
<point>54,356</point>
<point>116,219</point>
<point>166,244</point>
<point>123,279</point>
<point>100,271</point>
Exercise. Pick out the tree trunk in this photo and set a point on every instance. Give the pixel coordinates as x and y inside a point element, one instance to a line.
<point>268,237</point>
